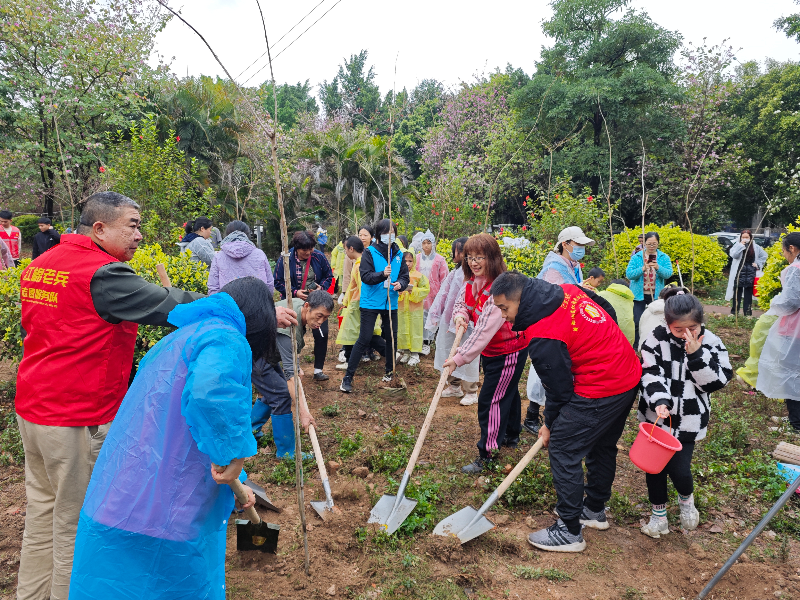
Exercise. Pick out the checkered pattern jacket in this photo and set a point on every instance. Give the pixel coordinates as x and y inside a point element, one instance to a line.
<point>682,382</point>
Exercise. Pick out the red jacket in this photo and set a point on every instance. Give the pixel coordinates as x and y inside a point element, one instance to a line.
<point>12,240</point>
<point>76,365</point>
<point>505,341</point>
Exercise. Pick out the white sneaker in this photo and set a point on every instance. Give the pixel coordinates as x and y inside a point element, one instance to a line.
<point>690,516</point>
<point>404,358</point>
<point>469,399</point>
<point>657,527</point>
<point>365,358</point>
<point>413,360</point>
<point>426,349</point>
<point>452,391</point>
<point>341,357</point>
<point>342,366</point>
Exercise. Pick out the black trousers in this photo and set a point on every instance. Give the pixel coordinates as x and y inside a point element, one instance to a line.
<point>639,307</point>
<point>365,335</point>
<point>499,402</point>
<point>586,428</point>
<point>744,298</point>
<point>377,344</point>
<point>320,345</point>
<point>679,470</point>
<point>793,406</point>
<point>270,383</point>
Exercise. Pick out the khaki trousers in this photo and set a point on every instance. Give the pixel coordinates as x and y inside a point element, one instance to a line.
<point>58,466</point>
<point>469,387</point>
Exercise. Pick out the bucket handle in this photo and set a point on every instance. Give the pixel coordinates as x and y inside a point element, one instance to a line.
<point>653,428</point>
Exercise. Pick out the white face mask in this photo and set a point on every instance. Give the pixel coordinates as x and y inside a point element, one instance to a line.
<point>385,239</point>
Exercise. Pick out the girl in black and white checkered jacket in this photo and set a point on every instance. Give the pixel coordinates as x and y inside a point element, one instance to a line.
<point>682,363</point>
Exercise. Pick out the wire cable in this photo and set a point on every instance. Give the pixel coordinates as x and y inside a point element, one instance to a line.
<point>283,36</point>
<point>293,41</point>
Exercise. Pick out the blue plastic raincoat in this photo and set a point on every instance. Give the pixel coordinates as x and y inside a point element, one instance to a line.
<point>153,522</point>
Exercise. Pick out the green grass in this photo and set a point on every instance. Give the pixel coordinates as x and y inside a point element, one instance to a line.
<point>332,410</point>
<point>393,450</point>
<point>283,473</point>
<point>348,446</point>
<point>549,573</point>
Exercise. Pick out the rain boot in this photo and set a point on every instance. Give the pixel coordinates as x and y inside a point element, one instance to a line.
<point>283,433</point>
<point>259,415</point>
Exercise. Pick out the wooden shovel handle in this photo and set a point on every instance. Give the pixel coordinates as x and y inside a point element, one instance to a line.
<point>162,275</point>
<point>519,468</point>
<point>241,496</point>
<point>312,433</point>
<point>434,403</point>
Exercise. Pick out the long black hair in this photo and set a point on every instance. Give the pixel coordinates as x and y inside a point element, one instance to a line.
<point>254,299</point>
<point>791,239</point>
<point>198,224</point>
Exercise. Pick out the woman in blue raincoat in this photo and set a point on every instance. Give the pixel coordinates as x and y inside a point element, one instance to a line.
<point>153,523</point>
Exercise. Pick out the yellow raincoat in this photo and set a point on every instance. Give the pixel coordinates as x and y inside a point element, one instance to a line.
<point>337,261</point>
<point>351,314</point>
<point>410,313</point>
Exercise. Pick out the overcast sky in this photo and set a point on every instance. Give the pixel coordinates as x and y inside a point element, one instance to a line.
<point>445,40</point>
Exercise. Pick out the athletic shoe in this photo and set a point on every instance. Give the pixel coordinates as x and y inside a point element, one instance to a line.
<point>690,517</point>
<point>594,520</point>
<point>413,360</point>
<point>657,527</point>
<point>320,377</point>
<point>365,358</point>
<point>342,366</point>
<point>346,385</point>
<point>469,399</point>
<point>476,466</point>
<point>387,378</point>
<point>375,356</point>
<point>342,357</point>
<point>426,349</point>
<point>557,538</point>
<point>452,391</point>
<point>532,426</point>
<point>405,358</point>
<point>511,442</point>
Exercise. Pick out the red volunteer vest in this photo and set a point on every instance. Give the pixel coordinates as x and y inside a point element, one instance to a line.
<point>12,240</point>
<point>76,366</point>
<point>505,341</point>
<point>603,361</point>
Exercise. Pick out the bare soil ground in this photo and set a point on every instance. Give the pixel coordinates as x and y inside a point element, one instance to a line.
<point>349,559</point>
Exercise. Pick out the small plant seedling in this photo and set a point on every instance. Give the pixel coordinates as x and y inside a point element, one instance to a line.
<point>332,410</point>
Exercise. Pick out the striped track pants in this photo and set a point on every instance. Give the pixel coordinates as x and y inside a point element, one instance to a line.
<point>499,409</point>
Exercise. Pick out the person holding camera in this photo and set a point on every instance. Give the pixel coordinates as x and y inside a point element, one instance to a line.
<point>647,272</point>
<point>310,270</point>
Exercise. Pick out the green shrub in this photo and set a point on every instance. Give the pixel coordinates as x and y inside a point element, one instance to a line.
<point>769,285</point>
<point>709,261</point>
<point>28,226</point>
<point>183,274</point>
<point>528,260</point>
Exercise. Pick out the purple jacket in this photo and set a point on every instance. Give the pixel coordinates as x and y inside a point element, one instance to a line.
<point>238,258</point>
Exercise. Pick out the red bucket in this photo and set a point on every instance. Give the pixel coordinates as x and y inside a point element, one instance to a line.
<point>653,448</point>
<point>340,320</point>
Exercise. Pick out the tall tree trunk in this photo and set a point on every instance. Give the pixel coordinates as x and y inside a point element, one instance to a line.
<point>377,204</point>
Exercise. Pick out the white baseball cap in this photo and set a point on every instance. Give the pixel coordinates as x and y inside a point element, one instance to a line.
<point>576,235</point>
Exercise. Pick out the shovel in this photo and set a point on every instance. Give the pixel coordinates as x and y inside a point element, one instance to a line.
<point>323,508</point>
<point>469,523</point>
<point>252,533</point>
<point>391,511</point>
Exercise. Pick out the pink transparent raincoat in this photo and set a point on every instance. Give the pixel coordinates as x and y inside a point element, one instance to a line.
<point>779,366</point>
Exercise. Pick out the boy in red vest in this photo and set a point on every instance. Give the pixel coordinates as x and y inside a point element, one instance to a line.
<point>591,375</point>
<point>10,234</point>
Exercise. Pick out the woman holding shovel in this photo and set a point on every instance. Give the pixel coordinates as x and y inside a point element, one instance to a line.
<point>384,275</point>
<point>154,520</point>
<point>501,350</point>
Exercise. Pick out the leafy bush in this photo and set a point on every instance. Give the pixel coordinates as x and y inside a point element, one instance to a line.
<point>184,274</point>
<point>28,226</point>
<point>10,315</point>
<point>528,260</point>
<point>769,285</point>
<point>445,248</point>
<point>710,258</point>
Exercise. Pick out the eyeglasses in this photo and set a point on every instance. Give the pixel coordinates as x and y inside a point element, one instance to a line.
<point>476,259</point>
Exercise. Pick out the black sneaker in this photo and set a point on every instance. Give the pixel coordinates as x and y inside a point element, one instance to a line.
<point>476,466</point>
<point>511,442</point>
<point>557,538</point>
<point>532,425</point>
<point>320,377</point>
<point>347,385</point>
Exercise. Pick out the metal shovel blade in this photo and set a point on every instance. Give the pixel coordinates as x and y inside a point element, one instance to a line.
<point>457,525</point>
<point>323,508</point>
<point>386,516</point>
<point>261,496</point>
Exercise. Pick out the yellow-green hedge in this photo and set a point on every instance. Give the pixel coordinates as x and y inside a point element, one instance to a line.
<point>710,258</point>
<point>184,274</point>
<point>769,285</point>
